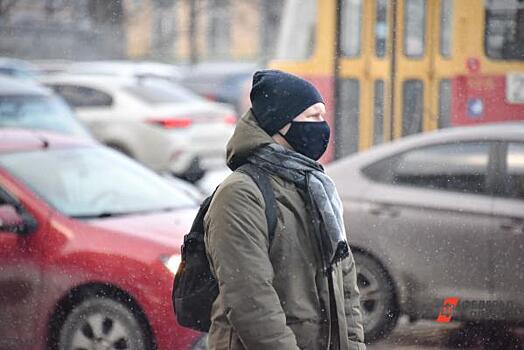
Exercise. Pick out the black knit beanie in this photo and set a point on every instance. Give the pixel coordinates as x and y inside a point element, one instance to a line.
<point>278,97</point>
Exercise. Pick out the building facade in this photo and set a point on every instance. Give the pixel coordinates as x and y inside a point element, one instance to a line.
<point>181,31</point>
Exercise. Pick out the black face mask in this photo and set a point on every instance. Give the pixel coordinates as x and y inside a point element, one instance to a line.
<point>308,138</point>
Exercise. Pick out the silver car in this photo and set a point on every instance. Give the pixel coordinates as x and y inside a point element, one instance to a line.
<point>25,104</point>
<point>436,225</point>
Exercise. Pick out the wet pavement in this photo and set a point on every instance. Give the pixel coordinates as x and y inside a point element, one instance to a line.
<point>429,335</point>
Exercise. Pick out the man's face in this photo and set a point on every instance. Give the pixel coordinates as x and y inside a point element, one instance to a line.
<point>315,113</point>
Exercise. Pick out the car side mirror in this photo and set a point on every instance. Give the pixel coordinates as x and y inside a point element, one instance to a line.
<point>12,221</point>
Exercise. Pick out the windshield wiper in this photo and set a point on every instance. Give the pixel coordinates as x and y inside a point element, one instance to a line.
<point>105,214</point>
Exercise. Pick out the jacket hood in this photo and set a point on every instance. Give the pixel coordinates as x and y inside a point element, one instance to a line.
<point>248,136</point>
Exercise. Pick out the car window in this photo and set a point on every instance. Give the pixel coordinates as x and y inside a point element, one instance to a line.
<point>81,96</point>
<point>515,170</point>
<point>153,91</point>
<point>3,197</point>
<point>39,112</point>
<point>460,167</point>
<point>87,182</point>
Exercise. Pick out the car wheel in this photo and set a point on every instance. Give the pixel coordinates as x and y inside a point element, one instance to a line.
<point>377,298</point>
<point>102,323</point>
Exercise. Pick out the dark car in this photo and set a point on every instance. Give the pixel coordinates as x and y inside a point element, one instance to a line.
<point>225,82</point>
<point>25,104</point>
<point>436,222</point>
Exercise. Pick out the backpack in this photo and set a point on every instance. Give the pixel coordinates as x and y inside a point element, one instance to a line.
<point>194,287</point>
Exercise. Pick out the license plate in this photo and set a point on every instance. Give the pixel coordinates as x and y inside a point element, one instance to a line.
<point>515,87</point>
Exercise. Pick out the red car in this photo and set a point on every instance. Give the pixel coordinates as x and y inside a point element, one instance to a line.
<point>89,241</point>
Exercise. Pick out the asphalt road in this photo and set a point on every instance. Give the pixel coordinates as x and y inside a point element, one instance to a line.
<point>428,335</point>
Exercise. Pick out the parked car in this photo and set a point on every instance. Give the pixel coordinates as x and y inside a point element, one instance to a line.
<point>89,244</point>
<point>226,82</point>
<point>24,104</point>
<point>51,66</point>
<point>434,216</point>
<point>160,124</point>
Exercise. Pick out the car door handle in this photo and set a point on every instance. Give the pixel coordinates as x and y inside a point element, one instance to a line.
<point>384,210</point>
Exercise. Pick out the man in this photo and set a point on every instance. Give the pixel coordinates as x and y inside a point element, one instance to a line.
<point>299,290</point>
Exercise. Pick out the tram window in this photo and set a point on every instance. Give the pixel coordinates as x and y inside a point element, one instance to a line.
<point>414,27</point>
<point>412,107</point>
<point>514,180</point>
<point>348,122</point>
<point>381,28</point>
<point>444,104</point>
<point>504,35</point>
<point>378,111</point>
<point>297,37</point>
<point>350,27</point>
<point>446,20</point>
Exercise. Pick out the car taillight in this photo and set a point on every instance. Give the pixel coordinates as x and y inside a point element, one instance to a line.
<point>210,97</point>
<point>171,123</point>
<point>230,119</point>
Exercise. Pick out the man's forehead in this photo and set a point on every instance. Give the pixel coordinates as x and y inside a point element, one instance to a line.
<point>316,109</point>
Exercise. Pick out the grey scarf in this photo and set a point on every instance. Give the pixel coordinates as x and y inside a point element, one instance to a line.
<point>323,200</point>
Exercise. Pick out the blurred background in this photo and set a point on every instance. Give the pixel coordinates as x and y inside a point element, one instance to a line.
<point>169,31</point>
<point>114,118</point>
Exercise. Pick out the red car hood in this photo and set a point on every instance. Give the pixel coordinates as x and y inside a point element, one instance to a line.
<point>165,227</point>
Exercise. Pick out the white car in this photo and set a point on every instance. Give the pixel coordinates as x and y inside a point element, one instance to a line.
<point>158,123</point>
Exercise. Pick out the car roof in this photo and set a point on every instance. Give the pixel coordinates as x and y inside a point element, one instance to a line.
<point>15,63</point>
<point>17,140</point>
<point>511,130</point>
<point>106,83</point>
<point>12,86</point>
<point>126,68</point>
<point>220,68</point>
<point>503,131</point>
<point>487,131</point>
<point>102,81</point>
<point>96,79</point>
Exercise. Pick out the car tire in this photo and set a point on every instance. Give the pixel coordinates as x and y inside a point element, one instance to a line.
<point>102,323</point>
<point>377,298</point>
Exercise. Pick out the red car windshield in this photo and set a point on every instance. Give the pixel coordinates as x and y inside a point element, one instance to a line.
<point>91,182</point>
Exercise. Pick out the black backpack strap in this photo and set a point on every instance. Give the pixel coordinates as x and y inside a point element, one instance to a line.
<point>261,178</point>
<point>199,219</point>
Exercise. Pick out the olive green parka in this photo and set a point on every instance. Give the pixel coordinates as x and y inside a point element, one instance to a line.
<point>278,297</point>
